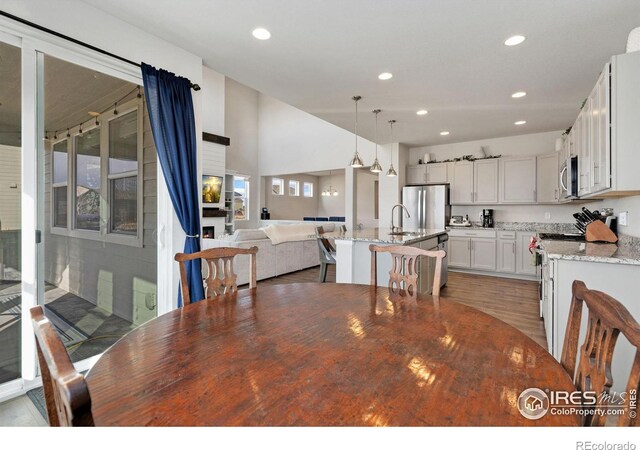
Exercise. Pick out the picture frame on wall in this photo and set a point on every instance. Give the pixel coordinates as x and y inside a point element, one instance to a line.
<point>211,189</point>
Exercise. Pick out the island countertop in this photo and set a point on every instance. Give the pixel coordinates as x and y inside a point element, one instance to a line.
<point>591,251</point>
<point>382,236</point>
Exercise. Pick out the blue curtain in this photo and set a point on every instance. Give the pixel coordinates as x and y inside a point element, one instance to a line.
<point>173,125</point>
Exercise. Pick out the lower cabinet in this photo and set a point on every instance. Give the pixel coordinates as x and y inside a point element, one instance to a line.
<point>459,252</point>
<point>492,251</point>
<point>525,260</point>
<point>507,255</point>
<point>473,252</point>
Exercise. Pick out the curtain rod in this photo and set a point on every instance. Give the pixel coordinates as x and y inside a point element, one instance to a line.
<point>194,86</point>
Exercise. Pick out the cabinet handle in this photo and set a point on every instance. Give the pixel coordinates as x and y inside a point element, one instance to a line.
<point>513,248</point>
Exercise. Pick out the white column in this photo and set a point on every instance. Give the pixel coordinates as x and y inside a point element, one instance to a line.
<point>350,202</point>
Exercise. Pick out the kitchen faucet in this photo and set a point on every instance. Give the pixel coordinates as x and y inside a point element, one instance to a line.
<point>394,228</point>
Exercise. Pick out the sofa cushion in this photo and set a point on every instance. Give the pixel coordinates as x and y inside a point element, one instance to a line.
<point>248,235</point>
<point>279,233</point>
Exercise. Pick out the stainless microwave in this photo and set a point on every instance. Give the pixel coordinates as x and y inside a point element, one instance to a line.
<point>569,178</point>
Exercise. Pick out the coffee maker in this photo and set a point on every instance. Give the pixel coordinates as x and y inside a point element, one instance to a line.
<point>487,218</point>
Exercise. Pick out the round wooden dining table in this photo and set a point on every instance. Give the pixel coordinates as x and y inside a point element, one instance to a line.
<point>313,354</point>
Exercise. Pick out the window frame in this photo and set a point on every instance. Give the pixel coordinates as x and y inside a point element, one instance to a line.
<point>310,184</point>
<point>104,234</point>
<point>297,188</point>
<point>54,229</point>
<point>246,197</point>
<point>281,180</point>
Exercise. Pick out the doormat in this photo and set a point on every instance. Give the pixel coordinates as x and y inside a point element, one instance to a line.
<point>68,333</point>
<point>37,398</point>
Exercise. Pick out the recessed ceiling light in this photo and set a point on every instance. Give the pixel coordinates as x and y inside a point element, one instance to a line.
<point>514,40</point>
<point>444,133</point>
<point>520,122</point>
<point>518,94</point>
<point>261,33</point>
<point>385,76</point>
<point>422,112</point>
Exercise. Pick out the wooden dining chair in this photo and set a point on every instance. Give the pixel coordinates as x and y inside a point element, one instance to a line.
<point>403,276</point>
<point>590,366</point>
<point>220,279</point>
<point>65,390</point>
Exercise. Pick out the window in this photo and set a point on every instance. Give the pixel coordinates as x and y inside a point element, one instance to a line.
<point>277,186</point>
<point>60,174</point>
<point>103,187</point>
<point>307,189</point>
<point>240,198</point>
<point>87,190</point>
<point>294,188</point>
<point>123,173</point>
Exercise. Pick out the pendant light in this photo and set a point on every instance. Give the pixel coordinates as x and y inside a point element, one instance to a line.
<point>376,167</point>
<point>356,161</point>
<point>330,192</point>
<point>391,172</point>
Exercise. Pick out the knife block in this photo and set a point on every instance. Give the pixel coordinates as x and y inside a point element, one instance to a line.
<point>597,231</point>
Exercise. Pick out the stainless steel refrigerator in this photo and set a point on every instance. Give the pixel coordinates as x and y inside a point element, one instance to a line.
<point>428,206</point>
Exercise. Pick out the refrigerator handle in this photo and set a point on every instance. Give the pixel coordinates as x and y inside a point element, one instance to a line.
<point>421,200</point>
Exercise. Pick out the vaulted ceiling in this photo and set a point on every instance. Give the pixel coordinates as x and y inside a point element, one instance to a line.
<point>446,56</point>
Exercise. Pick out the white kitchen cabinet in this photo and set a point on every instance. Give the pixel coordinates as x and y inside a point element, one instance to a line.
<point>460,252</point>
<point>437,173</point>
<point>524,257</point>
<point>485,181</point>
<point>584,149</point>
<point>548,179</point>
<point>461,190</point>
<point>483,254</point>
<point>417,174</point>
<point>518,179</point>
<point>600,134</point>
<point>507,255</point>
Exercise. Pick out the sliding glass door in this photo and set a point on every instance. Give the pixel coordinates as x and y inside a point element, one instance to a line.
<point>98,277</point>
<point>78,203</point>
<point>10,213</point>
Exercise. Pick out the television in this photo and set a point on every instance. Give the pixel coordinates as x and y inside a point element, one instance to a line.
<point>211,189</point>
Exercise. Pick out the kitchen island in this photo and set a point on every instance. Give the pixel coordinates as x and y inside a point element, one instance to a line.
<point>353,257</point>
<point>610,268</point>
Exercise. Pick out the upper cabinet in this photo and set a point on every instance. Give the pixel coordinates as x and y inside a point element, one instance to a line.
<point>518,180</point>
<point>417,174</point>
<point>461,191</point>
<point>437,172</point>
<point>608,136</point>
<point>485,181</point>
<point>547,178</point>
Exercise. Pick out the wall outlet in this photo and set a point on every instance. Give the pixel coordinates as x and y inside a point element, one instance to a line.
<point>150,301</point>
<point>623,218</point>
<point>547,215</point>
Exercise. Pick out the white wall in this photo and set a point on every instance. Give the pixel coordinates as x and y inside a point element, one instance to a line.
<point>293,141</point>
<point>331,205</point>
<point>525,144</point>
<point>287,207</point>
<point>10,187</point>
<point>391,187</point>
<point>241,126</point>
<point>365,202</point>
<point>632,206</point>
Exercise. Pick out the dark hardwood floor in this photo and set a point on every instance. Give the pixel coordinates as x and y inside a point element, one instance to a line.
<point>512,301</point>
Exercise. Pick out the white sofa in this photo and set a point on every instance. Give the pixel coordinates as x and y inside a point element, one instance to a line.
<point>273,259</point>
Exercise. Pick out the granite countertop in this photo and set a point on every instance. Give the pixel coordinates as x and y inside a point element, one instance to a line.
<point>381,235</point>
<point>592,251</point>
<point>522,226</point>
